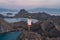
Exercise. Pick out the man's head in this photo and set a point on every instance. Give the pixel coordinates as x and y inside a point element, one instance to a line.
<point>29,17</point>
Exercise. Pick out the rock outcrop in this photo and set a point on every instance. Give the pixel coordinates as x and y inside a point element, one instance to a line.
<point>50,29</point>
<point>29,36</point>
<point>5,26</point>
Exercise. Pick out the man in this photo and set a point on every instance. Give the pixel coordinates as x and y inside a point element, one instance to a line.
<point>29,21</point>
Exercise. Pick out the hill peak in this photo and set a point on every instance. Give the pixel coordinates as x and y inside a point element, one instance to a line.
<point>23,11</point>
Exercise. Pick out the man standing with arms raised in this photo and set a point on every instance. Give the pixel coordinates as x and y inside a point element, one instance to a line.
<point>29,22</point>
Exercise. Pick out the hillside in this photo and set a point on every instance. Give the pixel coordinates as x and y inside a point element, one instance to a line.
<point>1,16</point>
<point>24,13</point>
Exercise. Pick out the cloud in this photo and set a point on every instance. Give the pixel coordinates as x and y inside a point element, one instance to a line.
<point>30,3</point>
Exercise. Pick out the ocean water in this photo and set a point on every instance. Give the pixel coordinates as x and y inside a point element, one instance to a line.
<point>10,35</point>
<point>51,11</point>
<point>5,13</point>
<point>12,20</point>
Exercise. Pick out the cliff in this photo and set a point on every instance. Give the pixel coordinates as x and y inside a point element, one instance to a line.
<point>5,26</point>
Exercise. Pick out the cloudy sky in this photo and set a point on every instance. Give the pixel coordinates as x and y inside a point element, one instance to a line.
<point>30,3</point>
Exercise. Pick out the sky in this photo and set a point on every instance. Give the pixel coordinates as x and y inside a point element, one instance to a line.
<point>29,3</point>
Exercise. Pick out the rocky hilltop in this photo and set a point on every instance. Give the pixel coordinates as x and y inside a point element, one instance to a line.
<point>47,27</point>
<point>42,30</point>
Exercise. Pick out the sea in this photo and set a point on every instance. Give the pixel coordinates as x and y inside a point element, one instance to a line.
<point>50,11</point>
<point>12,20</point>
<point>10,35</point>
<point>5,13</point>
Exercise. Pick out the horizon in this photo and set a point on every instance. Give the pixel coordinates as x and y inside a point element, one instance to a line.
<point>31,4</point>
<point>55,12</point>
